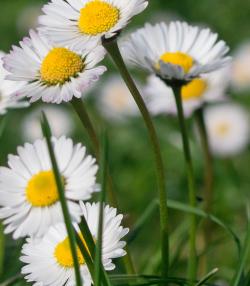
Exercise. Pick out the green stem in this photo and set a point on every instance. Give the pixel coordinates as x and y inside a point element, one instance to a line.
<point>82,113</point>
<point>2,248</point>
<point>113,50</point>
<point>208,177</point>
<point>192,263</point>
<point>61,193</point>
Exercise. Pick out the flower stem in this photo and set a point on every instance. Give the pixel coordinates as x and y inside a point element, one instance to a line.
<point>82,113</point>
<point>113,50</point>
<point>192,263</point>
<point>208,176</point>
<point>61,193</point>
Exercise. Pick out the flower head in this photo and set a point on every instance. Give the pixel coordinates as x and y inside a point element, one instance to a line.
<point>52,253</point>
<point>6,89</point>
<point>176,52</point>
<point>53,73</point>
<point>85,22</point>
<point>29,198</point>
<point>228,129</point>
<point>207,88</point>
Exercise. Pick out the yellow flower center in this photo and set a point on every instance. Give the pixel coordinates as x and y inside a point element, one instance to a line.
<point>97,17</point>
<point>60,65</point>
<point>222,129</point>
<point>41,190</point>
<point>178,58</point>
<point>194,90</point>
<point>63,253</point>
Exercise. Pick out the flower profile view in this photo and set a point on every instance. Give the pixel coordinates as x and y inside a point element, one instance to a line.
<point>84,22</point>
<point>29,200</point>
<point>7,87</point>
<point>176,51</point>
<point>228,129</point>
<point>52,253</point>
<point>53,73</point>
<point>207,88</point>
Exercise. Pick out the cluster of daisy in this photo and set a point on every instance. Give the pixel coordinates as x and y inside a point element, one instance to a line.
<point>61,60</point>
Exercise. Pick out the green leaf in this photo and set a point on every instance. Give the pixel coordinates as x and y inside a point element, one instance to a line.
<point>243,255</point>
<point>207,277</point>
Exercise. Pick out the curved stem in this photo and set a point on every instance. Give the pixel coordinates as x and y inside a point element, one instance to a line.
<point>208,177</point>
<point>113,50</point>
<point>82,113</point>
<point>192,263</point>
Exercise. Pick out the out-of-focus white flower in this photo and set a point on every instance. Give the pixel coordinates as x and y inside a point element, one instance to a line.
<point>176,52</point>
<point>53,256</point>
<point>208,88</point>
<point>29,198</point>
<point>28,18</point>
<point>7,88</point>
<point>228,129</point>
<point>241,68</point>
<point>116,101</point>
<point>82,23</point>
<point>53,73</point>
<point>60,122</point>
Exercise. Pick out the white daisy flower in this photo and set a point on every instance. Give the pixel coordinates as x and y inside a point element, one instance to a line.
<point>115,99</point>
<point>176,51</point>
<point>6,89</point>
<point>228,129</point>
<point>85,22</point>
<point>241,68</point>
<point>208,88</point>
<point>61,122</point>
<point>49,261</point>
<point>53,73</point>
<point>28,193</point>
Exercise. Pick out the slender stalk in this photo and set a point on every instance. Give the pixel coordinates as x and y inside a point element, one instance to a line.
<point>82,113</point>
<point>113,50</point>
<point>61,193</point>
<point>208,177</point>
<point>192,263</point>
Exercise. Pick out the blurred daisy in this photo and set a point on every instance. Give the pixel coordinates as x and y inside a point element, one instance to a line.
<point>84,22</point>
<point>208,88</point>
<point>6,89</point>
<point>60,122</point>
<point>116,100</point>
<point>176,51</point>
<point>28,191</point>
<point>54,74</point>
<point>50,262</point>
<point>241,68</point>
<point>228,129</point>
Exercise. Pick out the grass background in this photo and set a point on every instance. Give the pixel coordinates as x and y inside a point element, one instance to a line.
<point>131,160</point>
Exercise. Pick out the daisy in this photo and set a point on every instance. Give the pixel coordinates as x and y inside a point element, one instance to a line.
<point>60,122</point>
<point>85,22</point>
<point>53,73</point>
<point>228,129</point>
<point>176,52</point>
<point>241,68</point>
<point>208,88</point>
<point>28,193</point>
<point>6,89</point>
<point>115,99</point>
<point>49,261</point>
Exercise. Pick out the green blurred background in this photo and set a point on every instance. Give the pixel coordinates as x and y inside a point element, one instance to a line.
<point>131,161</point>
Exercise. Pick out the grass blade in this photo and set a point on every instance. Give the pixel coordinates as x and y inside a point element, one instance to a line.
<point>61,192</point>
<point>207,277</point>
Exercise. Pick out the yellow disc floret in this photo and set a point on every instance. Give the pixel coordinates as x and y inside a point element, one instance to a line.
<point>97,17</point>
<point>60,65</point>
<point>63,253</point>
<point>178,58</point>
<point>222,129</point>
<point>194,90</point>
<point>41,190</point>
